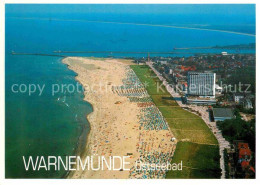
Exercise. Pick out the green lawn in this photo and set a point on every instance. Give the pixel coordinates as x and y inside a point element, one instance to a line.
<point>199,161</point>
<point>189,124</point>
<point>194,130</point>
<point>177,112</point>
<point>200,154</point>
<point>146,76</point>
<point>164,100</point>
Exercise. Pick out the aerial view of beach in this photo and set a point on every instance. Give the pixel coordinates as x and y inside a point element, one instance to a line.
<point>130,91</point>
<point>118,108</point>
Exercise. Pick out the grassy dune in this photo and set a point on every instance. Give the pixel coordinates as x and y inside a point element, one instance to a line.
<point>197,147</point>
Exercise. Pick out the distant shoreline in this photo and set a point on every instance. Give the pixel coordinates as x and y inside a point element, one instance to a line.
<point>138,24</point>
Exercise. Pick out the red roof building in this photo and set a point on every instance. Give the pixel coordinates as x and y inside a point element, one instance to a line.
<point>244,152</point>
<point>242,145</point>
<point>245,164</point>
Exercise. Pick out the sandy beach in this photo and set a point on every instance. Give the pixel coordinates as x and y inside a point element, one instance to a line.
<point>122,122</point>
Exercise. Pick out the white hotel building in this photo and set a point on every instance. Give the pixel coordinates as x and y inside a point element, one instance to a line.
<point>201,84</point>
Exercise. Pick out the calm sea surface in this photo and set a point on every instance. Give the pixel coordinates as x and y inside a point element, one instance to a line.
<point>51,125</point>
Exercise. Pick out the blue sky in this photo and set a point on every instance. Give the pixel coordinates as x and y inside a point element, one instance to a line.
<point>231,9</point>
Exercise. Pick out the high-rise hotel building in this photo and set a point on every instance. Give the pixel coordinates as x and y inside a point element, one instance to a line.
<point>201,84</point>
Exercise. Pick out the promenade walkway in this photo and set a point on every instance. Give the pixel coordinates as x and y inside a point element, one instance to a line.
<point>204,115</point>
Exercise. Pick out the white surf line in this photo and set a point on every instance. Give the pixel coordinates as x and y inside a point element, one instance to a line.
<point>140,24</point>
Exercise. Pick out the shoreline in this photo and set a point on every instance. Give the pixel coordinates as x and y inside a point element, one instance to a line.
<point>84,133</point>
<point>91,131</point>
<point>115,121</point>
